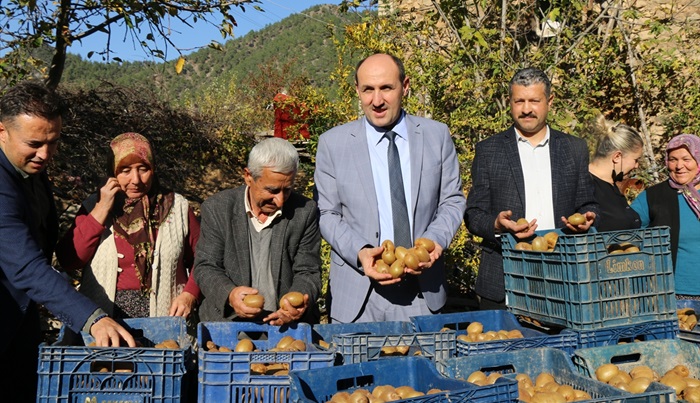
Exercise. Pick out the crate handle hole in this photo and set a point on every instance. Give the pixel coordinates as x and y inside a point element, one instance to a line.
<point>633,339</point>
<point>112,366</point>
<point>252,335</point>
<point>624,359</point>
<point>501,369</point>
<point>349,383</point>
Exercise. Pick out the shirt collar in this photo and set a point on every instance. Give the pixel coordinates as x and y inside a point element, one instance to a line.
<point>376,134</point>
<point>524,139</point>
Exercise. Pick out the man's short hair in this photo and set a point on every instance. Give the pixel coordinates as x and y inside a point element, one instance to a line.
<point>31,98</point>
<point>275,154</point>
<point>397,61</point>
<point>530,76</point>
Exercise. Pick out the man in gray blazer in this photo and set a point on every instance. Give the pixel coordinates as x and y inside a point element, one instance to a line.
<point>528,171</point>
<point>260,238</point>
<point>354,197</point>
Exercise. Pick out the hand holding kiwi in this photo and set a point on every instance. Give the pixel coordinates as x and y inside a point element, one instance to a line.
<point>398,260</point>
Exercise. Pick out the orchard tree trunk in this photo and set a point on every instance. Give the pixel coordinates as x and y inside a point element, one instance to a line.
<point>58,61</point>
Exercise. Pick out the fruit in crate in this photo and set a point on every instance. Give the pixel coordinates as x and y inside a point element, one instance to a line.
<point>686,318</point>
<point>545,389</point>
<point>475,334</point>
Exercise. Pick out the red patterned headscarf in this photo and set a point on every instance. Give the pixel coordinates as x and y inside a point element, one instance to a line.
<point>139,219</point>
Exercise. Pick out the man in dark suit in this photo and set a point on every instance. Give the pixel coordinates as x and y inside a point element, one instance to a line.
<point>260,238</point>
<point>30,127</point>
<point>528,171</point>
<point>356,197</point>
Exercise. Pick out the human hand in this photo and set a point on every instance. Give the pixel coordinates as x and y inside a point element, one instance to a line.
<point>104,205</point>
<point>521,231</point>
<point>235,300</point>
<point>108,333</point>
<point>367,258</point>
<point>287,312</point>
<point>590,218</point>
<point>182,305</point>
<point>434,255</point>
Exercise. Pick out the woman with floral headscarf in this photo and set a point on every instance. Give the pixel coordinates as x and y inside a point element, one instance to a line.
<point>676,203</point>
<point>134,240</point>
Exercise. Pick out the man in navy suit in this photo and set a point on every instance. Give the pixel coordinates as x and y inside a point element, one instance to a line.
<point>353,183</point>
<point>30,127</point>
<point>528,171</point>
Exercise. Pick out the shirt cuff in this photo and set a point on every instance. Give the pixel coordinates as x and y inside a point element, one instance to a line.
<point>94,318</point>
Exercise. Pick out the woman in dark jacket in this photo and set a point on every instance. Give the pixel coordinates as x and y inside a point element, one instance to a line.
<point>616,155</point>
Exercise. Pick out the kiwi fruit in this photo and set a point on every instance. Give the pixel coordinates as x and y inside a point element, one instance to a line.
<point>411,261</point>
<point>421,253</point>
<point>577,219</point>
<point>244,346</point>
<point>428,244</point>
<point>254,301</point>
<point>539,244</point>
<point>397,269</point>
<point>295,299</point>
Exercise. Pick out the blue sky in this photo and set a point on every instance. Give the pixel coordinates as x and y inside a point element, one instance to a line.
<point>202,35</point>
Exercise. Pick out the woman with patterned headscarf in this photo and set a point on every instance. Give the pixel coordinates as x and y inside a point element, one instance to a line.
<point>135,240</point>
<point>676,203</point>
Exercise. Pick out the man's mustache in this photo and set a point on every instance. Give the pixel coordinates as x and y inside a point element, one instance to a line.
<point>527,115</point>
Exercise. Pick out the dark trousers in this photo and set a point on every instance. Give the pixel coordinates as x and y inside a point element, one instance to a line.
<point>486,304</point>
<point>19,359</point>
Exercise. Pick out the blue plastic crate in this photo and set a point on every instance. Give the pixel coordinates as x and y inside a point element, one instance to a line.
<point>493,321</point>
<point>226,377</point>
<point>609,336</point>
<point>535,361</point>
<point>361,342</point>
<point>580,286</point>
<point>659,355</point>
<point>77,373</point>
<point>690,335</point>
<point>318,386</point>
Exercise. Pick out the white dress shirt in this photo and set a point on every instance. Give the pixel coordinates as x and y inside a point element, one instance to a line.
<point>537,173</point>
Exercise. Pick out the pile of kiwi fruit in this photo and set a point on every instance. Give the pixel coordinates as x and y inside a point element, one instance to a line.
<point>637,380</point>
<point>624,247</point>
<point>686,318</point>
<point>286,344</point>
<point>380,394</point>
<point>545,389</point>
<point>544,243</point>
<point>475,334</point>
<point>395,259</point>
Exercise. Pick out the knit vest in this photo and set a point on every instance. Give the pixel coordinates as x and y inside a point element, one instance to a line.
<point>662,200</point>
<point>99,280</point>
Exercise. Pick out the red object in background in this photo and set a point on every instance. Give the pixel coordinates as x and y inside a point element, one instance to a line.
<point>287,116</point>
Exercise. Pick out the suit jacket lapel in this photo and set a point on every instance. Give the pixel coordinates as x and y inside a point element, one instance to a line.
<point>415,141</point>
<point>239,222</point>
<point>557,158</point>
<point>277,246</point>
<point>357,146</point>
<point>511,149</point>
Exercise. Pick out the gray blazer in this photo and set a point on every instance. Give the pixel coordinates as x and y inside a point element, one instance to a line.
<point>349,213</point>
<point>222,259</point>
<point>498,185</point>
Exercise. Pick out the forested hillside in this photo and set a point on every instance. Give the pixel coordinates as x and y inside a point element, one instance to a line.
<point>300,42</point>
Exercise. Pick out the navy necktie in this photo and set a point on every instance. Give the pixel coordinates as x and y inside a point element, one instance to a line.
<point>399,212</point>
